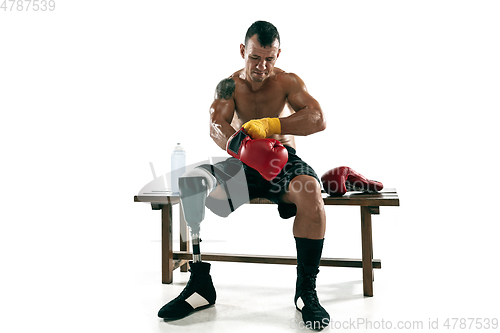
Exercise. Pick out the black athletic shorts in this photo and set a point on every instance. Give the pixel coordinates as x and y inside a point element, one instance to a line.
<point>243,184</point>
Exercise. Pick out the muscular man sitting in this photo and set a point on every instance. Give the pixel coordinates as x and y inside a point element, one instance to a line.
<point>264,102</point>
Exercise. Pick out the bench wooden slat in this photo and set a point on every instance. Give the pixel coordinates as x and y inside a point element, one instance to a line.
<point>157,199</point>
<point>387,197</point>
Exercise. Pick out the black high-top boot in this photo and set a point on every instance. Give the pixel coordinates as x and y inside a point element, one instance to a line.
<point>306,299</point>
<point>198,294</point>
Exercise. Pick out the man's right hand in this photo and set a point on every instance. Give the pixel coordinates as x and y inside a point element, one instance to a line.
<point>262,128</point>
<point>267,156</point>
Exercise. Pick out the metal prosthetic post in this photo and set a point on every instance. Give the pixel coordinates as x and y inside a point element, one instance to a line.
<point>194,187</point>
<point>195,237</point>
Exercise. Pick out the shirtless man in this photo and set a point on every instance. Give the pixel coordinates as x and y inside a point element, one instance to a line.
<point>266,102</point>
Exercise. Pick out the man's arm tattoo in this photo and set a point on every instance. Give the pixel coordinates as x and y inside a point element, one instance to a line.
<point>225,89</point>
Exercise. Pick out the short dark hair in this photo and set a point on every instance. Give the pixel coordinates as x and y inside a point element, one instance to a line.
<point>266,33</point>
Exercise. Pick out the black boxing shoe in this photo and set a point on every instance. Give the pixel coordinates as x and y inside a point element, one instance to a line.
<point>198,294</point>
<point>306,299</point>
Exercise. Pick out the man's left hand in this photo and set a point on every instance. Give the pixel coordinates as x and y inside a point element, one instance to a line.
<point>262,128</point>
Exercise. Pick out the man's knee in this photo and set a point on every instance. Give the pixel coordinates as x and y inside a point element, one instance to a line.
<point>305,193</point>
<point>304,189</point>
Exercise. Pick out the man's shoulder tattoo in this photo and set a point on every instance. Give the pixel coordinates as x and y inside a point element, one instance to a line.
<point>225,89</point>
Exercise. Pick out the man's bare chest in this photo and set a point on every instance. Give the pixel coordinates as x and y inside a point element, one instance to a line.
<point>268,102</point>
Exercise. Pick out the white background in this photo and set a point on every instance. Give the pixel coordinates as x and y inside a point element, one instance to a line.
<point>93,91</point>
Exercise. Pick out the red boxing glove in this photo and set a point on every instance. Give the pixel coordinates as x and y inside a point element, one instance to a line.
<point>267,156</point>
<point>338,181</point>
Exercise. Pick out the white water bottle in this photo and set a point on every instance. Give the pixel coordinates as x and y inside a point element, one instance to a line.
<point>178,164</point>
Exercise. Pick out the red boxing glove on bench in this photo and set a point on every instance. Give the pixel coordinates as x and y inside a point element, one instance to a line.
<point>338,181</point>
<point>267,156</point>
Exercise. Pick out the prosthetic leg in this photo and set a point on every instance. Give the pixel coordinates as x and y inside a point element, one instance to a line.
<point>194,188</point>
<point>199,293</point>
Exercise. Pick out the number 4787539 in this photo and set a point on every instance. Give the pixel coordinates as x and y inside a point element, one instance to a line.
<point>27,5</point>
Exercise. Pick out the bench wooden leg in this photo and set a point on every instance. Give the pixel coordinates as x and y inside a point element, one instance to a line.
<point>167,254</point>
<point>184,237</point>
<point>367,250</point>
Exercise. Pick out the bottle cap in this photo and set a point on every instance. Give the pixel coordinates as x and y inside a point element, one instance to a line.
<point>178,147</point>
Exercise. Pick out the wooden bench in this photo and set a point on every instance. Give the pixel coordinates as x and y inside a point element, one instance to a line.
<point>171,260</point>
